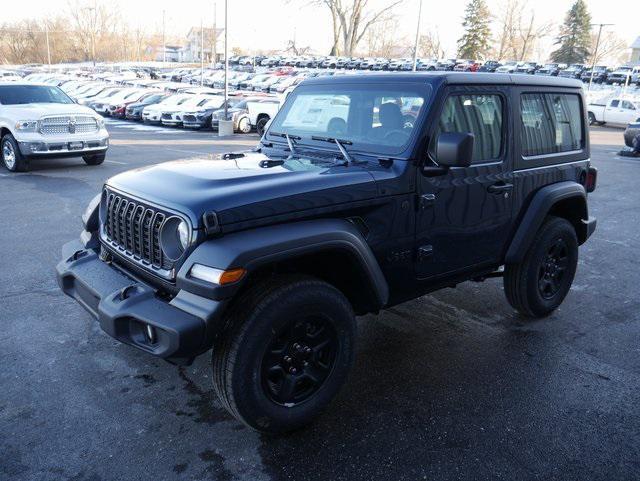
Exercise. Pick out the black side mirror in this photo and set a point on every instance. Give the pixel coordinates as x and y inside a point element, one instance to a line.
<point>454,149</point>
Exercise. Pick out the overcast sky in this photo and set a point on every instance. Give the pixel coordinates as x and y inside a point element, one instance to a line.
<point>269,24</point>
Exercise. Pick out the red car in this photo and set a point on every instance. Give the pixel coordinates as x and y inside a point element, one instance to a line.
<point>467,66</point>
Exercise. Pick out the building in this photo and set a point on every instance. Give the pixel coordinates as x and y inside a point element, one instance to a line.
<point>172,53</point>
<point>635,52</point>
<point>212,47</point>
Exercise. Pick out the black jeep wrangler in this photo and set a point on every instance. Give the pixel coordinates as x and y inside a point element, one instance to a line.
<point>365,192</point>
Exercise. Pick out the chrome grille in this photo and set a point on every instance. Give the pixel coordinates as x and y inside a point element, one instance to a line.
<point>68,124</point>
<point>133,230</point>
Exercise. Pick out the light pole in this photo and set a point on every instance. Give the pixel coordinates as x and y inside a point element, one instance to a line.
<point>595,52</point>
<point>225,126</point>
<point>164,43</point>
<point>46,33</point>
<point>93,32</point>
<point>201,53</point>
<point>415,45</point>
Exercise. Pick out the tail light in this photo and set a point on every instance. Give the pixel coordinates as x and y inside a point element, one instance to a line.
<point>590,179</point>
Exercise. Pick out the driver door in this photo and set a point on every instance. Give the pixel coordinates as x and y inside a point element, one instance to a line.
<point>465,212</point>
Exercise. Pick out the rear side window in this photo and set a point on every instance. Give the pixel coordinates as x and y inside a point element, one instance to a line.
<point>551,124</point>
<point>480,115</point>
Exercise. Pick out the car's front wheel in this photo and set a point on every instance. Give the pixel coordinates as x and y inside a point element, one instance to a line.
<point>244,126</point>
<point>12,158</point>
<point>261,125</point>
<point>537,286</point>
<point>287,351</point>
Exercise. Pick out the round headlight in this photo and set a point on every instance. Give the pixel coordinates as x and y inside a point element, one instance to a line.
<point>183,234</point>
<point>174,238</point>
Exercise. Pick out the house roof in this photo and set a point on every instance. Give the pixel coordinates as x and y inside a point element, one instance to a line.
<point>208,31</point>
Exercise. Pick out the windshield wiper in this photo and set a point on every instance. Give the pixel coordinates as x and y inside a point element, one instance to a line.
<point>289,139</point>
<point>339,142</point>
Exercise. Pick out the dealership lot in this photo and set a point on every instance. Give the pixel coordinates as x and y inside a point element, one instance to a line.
<point>450,386</point>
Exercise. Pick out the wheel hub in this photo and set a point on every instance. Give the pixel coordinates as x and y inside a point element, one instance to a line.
<point>552,269</point>
<point>298,361</point>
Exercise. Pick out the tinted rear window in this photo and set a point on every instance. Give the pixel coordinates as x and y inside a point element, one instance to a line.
<point>551,123</point>
<point>30,94</point>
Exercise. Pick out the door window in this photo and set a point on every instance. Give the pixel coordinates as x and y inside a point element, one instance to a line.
<point>478,114</point>
<point>627,105</point>
<point>551,123</point>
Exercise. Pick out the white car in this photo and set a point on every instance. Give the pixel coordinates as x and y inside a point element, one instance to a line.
<point>41,121</point>
<point>102,105</point>
<point>152,113</point>
<point>8,76</point>
<point>173,115</point>
<point>508,67</point>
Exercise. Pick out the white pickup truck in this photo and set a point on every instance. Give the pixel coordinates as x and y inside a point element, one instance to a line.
<point>615,112</point>
<point>261,111</point>
<point>41,121</point>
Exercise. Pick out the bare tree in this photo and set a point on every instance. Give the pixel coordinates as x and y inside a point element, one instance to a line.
<point>430,45</point>
<point>351,19</point>
<point>518,31</point>
<point>380,38</point>
<point>611,47</point>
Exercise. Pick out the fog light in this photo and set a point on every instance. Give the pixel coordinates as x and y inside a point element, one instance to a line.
<point>150,332</point>
<point>36,146</point>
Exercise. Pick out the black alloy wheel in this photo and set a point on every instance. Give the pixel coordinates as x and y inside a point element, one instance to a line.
<point>552,269</point>
<point>298,361</point>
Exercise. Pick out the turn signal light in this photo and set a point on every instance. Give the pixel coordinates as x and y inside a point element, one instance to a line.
<point>216,276</point>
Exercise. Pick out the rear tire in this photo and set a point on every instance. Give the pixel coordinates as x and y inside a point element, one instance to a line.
<point>96,159</point>
<point>592,118</point>
<point>538,285</point>
<point>12,158</point>
<point>244,126</point>
<point>286,352</point>
<point>261,124</point>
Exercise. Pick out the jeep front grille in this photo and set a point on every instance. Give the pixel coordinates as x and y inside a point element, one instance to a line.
<point>68,124</point>
<point>132,229</point>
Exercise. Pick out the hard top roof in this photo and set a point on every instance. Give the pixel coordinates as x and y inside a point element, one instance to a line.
<point>451,78</point>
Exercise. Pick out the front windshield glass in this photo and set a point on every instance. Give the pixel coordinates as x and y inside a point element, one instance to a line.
<point>367,116</point>
<point>32,94</point>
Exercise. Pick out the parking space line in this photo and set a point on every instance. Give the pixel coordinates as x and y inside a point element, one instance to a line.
<point>115,162</point>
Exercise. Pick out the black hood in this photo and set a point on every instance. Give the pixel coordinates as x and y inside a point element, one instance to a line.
<point>249,187</point>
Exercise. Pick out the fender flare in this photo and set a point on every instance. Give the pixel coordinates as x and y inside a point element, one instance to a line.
<point>255,248</point>
<point>540,205</point>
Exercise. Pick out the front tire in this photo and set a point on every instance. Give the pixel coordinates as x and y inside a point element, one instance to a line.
<point>286,353</point>
<point>244,126</point>
<point>96,159</point>
<point>592,118</point>
<point>538,285</point>
<point>12,158</point>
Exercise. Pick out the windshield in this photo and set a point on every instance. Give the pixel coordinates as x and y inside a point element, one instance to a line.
<point>367,116</point>
<point>31,94</point>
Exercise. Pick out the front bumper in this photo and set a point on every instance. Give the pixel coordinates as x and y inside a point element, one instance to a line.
<point>63,148</point>
<point>125,306</point>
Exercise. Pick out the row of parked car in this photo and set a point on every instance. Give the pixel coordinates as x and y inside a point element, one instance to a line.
<point>164,102</point>
<point>601,73</point>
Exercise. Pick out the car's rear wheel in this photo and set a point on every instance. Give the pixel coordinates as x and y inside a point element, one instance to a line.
<point>12,158</point>
<point>95,159</point>
<point>261,125</point>
<point>537,286</point>
<point>287,351</point>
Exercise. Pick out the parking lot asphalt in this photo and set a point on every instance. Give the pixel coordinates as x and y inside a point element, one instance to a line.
<point>454,385</point>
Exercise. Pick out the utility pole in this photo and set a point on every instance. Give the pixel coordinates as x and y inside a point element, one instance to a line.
<point>415,45</point>
<point>226,56</point>
<point>214,49</point>
<point>595,52</point>
<point>164,42</point>
<point>46,33</point>
<point>201,53</point>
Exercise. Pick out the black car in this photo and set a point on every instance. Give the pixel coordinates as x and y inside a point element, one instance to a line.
<point>210,117</point>
<point>343,209</point>
<point>573,71</point>
<point>600,74</point>
<point>631,133</point>
<point>489,66</point>
<point>550,69</point>
<point>134,111</point>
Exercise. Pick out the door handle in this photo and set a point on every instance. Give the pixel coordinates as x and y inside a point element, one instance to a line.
<point>499,188</point>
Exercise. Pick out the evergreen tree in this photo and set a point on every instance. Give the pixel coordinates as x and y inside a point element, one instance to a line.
<point>575,35</point>
<point>474,43</point>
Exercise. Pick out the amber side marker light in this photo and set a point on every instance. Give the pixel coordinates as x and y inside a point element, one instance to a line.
<point>216,276</point>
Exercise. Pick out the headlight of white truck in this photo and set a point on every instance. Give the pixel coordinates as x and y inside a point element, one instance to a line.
<point>27,125</point>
